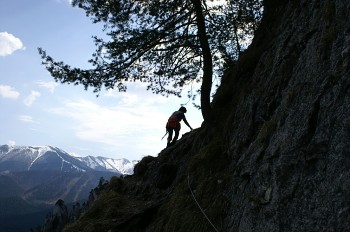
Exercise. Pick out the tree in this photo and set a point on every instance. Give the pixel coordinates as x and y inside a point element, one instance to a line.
<point>164,43</point>
<point>240,19</point>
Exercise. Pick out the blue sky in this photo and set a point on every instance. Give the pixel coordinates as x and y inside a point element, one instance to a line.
<point>37,111</point>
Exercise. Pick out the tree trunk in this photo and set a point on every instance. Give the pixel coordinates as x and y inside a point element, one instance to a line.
<point>207,63</point>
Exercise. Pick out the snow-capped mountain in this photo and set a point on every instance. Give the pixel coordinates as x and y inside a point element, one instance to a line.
<point>99,163</point>
<point>27,158</point>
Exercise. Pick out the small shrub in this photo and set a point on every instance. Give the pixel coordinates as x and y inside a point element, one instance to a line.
<point>142,166</point>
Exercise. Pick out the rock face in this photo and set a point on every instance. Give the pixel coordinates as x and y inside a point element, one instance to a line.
<point>278,158</point>
<point>291,172</point>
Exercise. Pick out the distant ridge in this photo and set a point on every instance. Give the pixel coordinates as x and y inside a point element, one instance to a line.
<point>99,163</point>
<point>26,158</point>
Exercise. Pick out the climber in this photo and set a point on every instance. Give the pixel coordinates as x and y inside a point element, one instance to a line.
<point>173,124</point>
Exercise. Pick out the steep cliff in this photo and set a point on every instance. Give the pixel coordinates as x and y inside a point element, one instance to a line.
<point>278,158</point>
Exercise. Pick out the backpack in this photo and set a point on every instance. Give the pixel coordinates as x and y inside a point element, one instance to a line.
<point>173,123</point>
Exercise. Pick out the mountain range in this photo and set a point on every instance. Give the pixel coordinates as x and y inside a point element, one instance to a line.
<point>30,158</point>
<point>33,178</point>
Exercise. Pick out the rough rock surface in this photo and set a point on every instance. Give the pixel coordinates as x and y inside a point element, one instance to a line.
<point>278,158</point>
<point>291,173</point>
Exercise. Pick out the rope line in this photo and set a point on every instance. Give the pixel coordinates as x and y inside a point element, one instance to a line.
<point>188,182</point>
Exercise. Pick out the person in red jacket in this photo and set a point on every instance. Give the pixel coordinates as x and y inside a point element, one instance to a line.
<point>173,124</point>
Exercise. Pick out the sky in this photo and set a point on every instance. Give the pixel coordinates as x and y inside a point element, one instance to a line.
<point>37,111</point>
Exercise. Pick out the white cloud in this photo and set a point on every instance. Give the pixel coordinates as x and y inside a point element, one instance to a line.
<point>50,85</point>
<point>8,92</point>
<point>127,126</point>
<point>103,124</point>
<point>28,101</point>
<point>26,118</point>
<point>135,95</point>
<point>9,44</point>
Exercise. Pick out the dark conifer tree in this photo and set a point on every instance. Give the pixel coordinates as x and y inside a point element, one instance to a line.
<point>167,44</point>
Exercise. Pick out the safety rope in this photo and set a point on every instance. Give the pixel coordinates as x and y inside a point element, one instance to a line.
<point>188,182</point>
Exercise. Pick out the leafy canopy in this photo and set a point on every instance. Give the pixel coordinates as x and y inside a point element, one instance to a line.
<point>158,42</point>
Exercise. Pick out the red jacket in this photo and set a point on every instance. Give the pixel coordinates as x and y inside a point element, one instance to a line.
<point>175,119</point>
